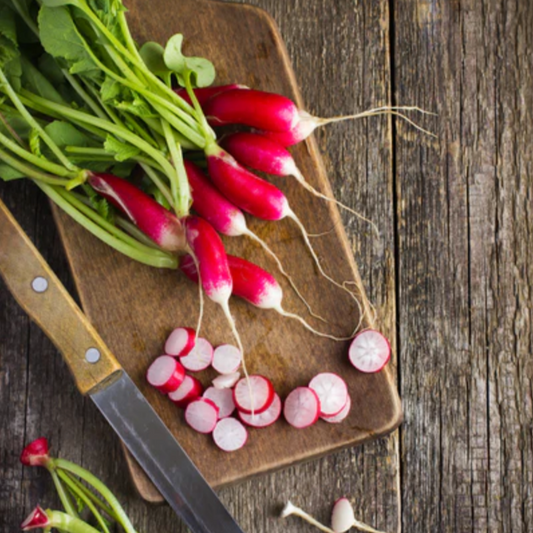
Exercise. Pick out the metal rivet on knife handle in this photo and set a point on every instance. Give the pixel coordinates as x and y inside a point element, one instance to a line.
<point>39,284</point>
<point>92,355</point>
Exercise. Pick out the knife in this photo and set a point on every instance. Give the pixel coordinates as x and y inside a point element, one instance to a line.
<point>98,374</point>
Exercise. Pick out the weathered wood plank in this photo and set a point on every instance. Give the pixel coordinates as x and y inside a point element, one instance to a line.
<point>465,265</point>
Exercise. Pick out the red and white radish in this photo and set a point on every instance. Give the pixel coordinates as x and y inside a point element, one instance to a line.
<point>189,390</point>
<point>230,435</point>
<point>223,399</point>
<point>301,408</point>
<point>200,357</point>
<point>226,358</point>
<point>203,94</point>
<point>226,381</point>
<point>266,418</point>
<point>37,519</point>
<point>332,392</point>
<point>338,418</point>
<point>36,453</point>
<point>202,415</point>
<point>158,223</point>
<point>180,342</point>
<point>253,395</point>
<point>165,374</point>
<point>370,351</point>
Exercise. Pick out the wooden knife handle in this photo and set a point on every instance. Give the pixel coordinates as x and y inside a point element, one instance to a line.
<point>40,293</point>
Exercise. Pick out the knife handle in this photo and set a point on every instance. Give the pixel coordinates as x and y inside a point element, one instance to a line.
<point>40,293</point>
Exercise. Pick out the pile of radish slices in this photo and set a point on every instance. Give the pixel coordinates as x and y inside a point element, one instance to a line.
<point>232,403</point>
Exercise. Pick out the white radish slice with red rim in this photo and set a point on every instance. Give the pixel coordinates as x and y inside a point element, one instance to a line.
<point>200,357</point>
<point>180,342</point>
<point>266,418</point>
<point>254,393</point>
<point>341,416</point>
<point>165,374</point>
<point>301,408</point>
<point>369,351</point>
<point>189,390</point>
<point>223,399</point>
<point>342,516</point>
<point>202,415</point>
<point>226,359</point>
<point>331,391</point>
<point>226,381</point>
<point>230,435</point>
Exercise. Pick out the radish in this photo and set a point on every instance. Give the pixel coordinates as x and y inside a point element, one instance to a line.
<point>165,374</point>
<point>199,358</point>
<point>226,381</point>
<point>223,399</point>
<point>256,196</point>
<point>202,415</point>
<point>266,418</point>
<point>276,113</point>
<point>230,435</point>
<point>180,342</point>
<point>301,408</point>
<point>331,391</point>
<point>37,519</point>
<point>158,223</point>
<point>226,358</point>
<point>345,411</point>
<point>203,94</point>
<point>254,395</point>
<point>227,219</point>
<point>189,390</point>
<point>342,516</point>
<point>266,155</point>
<point>370,351</point>
<point>35,453</point>
<point>256,286</point>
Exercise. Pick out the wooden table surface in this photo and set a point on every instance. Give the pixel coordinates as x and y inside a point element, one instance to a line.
<point>451,276</point>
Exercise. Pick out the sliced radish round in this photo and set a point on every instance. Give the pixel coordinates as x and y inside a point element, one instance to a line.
<point>342,516</point>
<point>226,381</point>
<point>226,359</point>
<point>230,435</point>
<point>341,416</point>
<point>266,418</point>
<point>262,394</point>
<point>223,399</point>
<point>189,390</point>
<point>369,351</point>
<point>165,374</point>
<point>200,357</point>
<point>301,408</point>
<point>180,342</point>
<point>202,415</point>
<point>331,391</point>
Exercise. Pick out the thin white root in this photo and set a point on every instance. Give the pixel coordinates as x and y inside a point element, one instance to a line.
<point>200,294</point>
<point>302,321</point>
<point>291,509</point>
<point>302,181</point>
<point>233,327</point>
<point>269,251</point>
<point>292,215</point>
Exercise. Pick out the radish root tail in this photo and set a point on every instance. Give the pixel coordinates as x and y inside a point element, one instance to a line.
<point>200,295</point>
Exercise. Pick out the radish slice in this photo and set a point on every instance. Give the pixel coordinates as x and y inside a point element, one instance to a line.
<point>331,391</point>
<point>226,381</point>
<point>202,415</point>
<point>369,351</point>
<point>302,407</point>
<point>262,394</point>
<point>226,359</point>
<point>223,399</point>
<point>266,418</point>
<point>200,357</point>
<point>341,416</point>
<point>230,435</point>
<point>342,516</point>
<point>189,390</point>
<point>180,342</point>
<point>165,374</point>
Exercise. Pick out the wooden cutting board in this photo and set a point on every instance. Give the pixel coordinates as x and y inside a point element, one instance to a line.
<point>134,307</point>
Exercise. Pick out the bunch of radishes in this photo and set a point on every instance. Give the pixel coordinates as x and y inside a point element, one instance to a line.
<point>254,397</point>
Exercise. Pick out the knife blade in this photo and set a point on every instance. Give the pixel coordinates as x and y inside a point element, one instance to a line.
<point>98,374</point>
